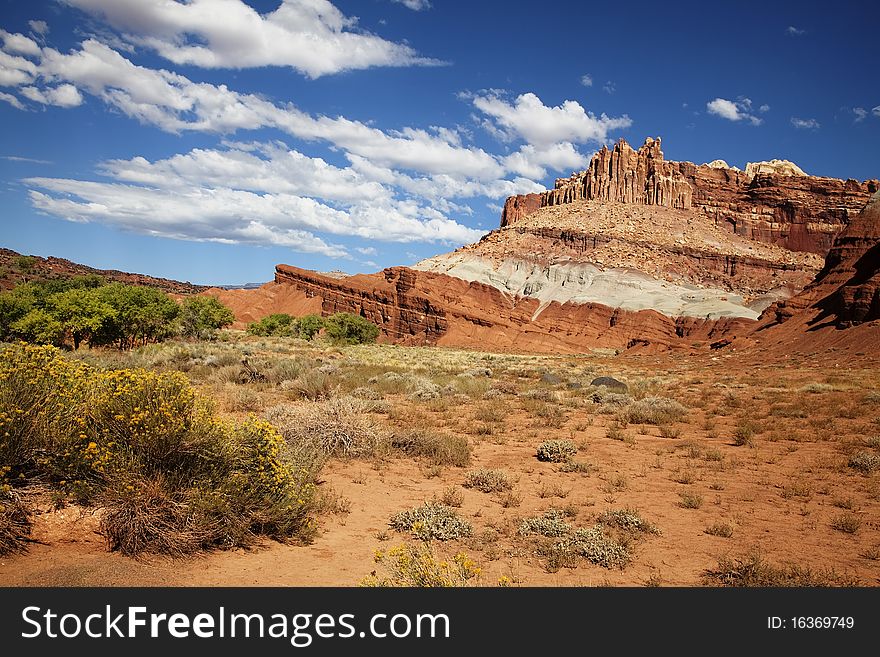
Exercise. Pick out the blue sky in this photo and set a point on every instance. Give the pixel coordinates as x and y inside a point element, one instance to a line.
<point>209,140</point>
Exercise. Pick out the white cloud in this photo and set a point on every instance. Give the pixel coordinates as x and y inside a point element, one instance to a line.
<point>19,43</point>
<point>733,110</point>
<point>367,250</point>
<point>250,192</point>
<point>876,111</point>
<point>861,113</point>
<point>65,95</point>
<point>609,87</point>
<point>39,27</point>
<point>15,71</point>
<point>805,124</point>
<point>531,161</point>
<point>415,5</point>
<point>310,36</point>
<point>12,100</point>
<point>16,158</point>
<point>587,80</point>
<point>764,108</point>
<point>542,126</point>
<point>791,30</point>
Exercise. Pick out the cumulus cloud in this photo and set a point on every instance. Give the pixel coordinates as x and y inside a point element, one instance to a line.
<point>400,185</point>
<point>310,36</point>
<point>65,95</point>
<point>609,87</point>
<point>876,111</point>
<point>764,109</point>
<point>19,44</point>
<point>415,5</point>
<point>805,124</point>
<point>734,110</point>
<point>248,192</point>
<point>527,117</point>
<point>791,30</point>
<point>587,80</point>
<point>860,113</point>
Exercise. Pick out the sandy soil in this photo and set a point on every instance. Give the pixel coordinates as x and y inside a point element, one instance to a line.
<point>780,496</point>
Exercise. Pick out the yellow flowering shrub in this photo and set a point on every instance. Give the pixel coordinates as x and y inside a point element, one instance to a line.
<point>416,565</point>
<point>172,477</point>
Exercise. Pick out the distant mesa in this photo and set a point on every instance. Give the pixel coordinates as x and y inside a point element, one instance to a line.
<point>635,252</point>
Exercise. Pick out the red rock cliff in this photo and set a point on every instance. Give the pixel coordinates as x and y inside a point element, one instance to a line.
<point>800,213</point>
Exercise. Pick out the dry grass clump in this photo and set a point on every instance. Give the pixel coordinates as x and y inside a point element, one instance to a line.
<point>488,481</point>
<point>590,544</point>
<point>551,524</point>
<point>654,410</point>
<point>866,462</point>
<point>341,426</point>
<point>720,529</point>
<point>753,571</point>
<point>15,522</point>
<point>437,447</point>
<point>628,520</point>
<point>432,521</point>
<point>848,523</point>
<point>556,451</point>
<point>313,385</point>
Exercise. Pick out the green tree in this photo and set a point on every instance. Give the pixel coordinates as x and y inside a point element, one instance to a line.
<point>276,324</point>
<point>14,305</point>
<point>201,316</point>
<point>308,326</point>
<point>81,312</point>
<point>345,328</point>
<point>143,314</point>
<point>40,327</point>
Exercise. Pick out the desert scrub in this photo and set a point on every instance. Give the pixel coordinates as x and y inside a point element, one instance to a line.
<point>590,544</point>
<point>866,462</point>
<point>488,481</point>
<point>556,451</point>
<point>437,447</point>
<point>654,410</point>
<point>720,529</point>
<point>341,426</point>
<point>248,484</point>
<point>752,571</point>
<point>15,522</point>
<point>416,565</point>
<point>171,476</point>
<point>848,523</point>
<point>628,520</point>
<point>551,524</point>
<point>432,521</point>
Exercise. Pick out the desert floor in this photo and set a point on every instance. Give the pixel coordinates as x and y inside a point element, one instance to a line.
<point>776,465</point>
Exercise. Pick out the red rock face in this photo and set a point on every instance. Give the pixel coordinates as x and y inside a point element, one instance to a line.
<point>800,213</point>
<point>847,290</point>
<point>414,307</point>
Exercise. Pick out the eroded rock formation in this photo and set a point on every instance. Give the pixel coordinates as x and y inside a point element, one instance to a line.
<point>847,290</point>
<point>772,202</point>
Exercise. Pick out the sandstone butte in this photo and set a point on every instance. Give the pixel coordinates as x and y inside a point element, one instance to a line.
<point>635,252</point>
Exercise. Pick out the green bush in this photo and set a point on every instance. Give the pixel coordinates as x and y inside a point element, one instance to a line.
<point>308,326</point>
<point>654,410</point>
<point>276,324</point>
<point>201,316</point>
<point>345,328</point>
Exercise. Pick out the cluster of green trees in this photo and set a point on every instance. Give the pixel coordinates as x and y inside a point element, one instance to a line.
<point>340,328</point>
<point>88,309</point>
